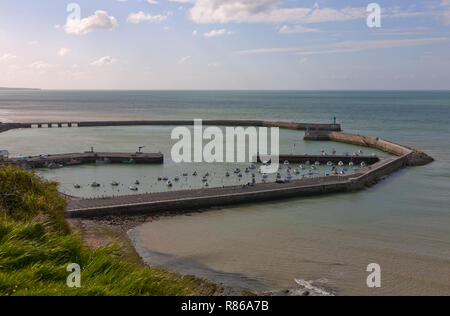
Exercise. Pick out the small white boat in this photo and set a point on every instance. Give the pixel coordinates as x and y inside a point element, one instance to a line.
<point>115,184</point>
<point>340,164</point>
<point>253,167</point>
<point>137,182</point>
<point>329,163</point>
<point>237,170</point>
<point>363,164</point>
<point>169,184</point>
<point>296,171</point>
<point>308,163</point>
<point>240,175</point>
<point>205,179</point>
<point>317,163</point>
<point>286,163</point>
<point>133,188</point>
<point>77,186</point>
<point>95,184</point>
<point>351,164</point>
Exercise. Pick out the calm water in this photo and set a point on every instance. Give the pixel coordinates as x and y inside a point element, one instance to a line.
<point>403,224</point>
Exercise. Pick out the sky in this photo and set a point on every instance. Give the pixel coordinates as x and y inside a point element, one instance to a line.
<point>224,44</point>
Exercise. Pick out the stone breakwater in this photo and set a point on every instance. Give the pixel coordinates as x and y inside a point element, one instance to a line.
<point>414,157</point>
<point>257,123</point>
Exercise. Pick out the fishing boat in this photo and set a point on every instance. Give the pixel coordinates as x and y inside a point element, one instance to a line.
<point>77,186</point>
<point>129,162</point>
<point>54,165</point>
<point>104,161</point>
<point>115,184</point>
<point>73,162</point>
<point>95,184</point>
<point>137,182</point>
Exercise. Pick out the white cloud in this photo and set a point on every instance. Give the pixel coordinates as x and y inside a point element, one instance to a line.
<point>40,65</point>
<point>296,29</point>
<point>349,46</point>
<point>7,58</point>
<point>106,60</point>
<point>64,52</point>
<point>194,33</point>
<point>213,65</point>
<point>446,11</point>
<point>152,1</point>
<point>99,21</point>
<point>215,33</point>
<point>140,16</point>
<point>303,60</point>
<point>183,60</point>
<point>267,11</point>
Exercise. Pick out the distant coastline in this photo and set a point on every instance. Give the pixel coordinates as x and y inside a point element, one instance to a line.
<point>20,89</point>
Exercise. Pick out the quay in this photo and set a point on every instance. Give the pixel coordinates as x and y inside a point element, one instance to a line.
<point>42,161</point>
<point>185,200</point>
<point>335,159</point>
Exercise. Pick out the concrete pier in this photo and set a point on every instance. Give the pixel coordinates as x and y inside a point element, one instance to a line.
<point>84,158</point>
<point>325,159</point>
<point>245,123</point>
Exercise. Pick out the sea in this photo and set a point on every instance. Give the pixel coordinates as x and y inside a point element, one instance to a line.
<point>323,244</point>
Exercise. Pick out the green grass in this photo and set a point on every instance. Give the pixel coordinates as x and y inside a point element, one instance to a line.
<point>36,246</point>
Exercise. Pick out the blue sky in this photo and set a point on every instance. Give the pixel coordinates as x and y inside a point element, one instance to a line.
<point>224,44</point>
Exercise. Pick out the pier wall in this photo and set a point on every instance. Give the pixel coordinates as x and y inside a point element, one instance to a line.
<point>413,156</point>
<point>196,203</point>
<point>246,123</point>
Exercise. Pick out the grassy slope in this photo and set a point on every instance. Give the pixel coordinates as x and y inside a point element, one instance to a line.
<point>36,246</point>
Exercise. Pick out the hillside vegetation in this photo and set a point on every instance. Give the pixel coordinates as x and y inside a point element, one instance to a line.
<point>36,246</point>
